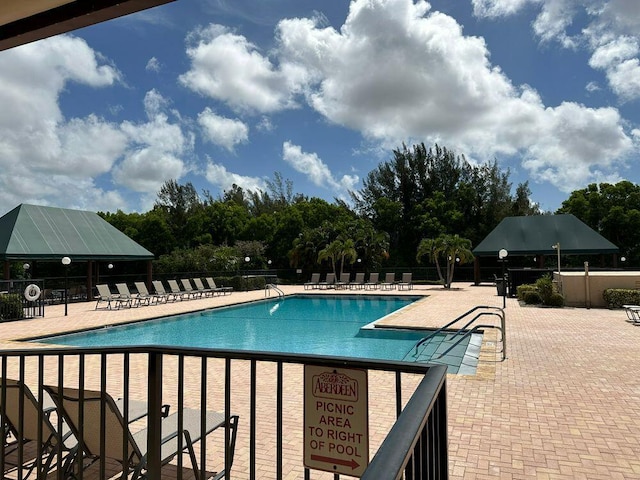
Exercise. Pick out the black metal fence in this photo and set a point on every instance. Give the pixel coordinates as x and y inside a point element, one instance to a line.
<point>21,299</point>
<point>249,409</point>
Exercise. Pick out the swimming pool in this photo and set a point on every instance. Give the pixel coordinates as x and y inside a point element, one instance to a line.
<point>337,325</point>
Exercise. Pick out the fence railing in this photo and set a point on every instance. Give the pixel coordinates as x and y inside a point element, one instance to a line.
<point>111,401</point>
<point>21,299</point>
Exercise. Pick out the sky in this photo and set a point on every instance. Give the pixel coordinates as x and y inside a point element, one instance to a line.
<point>223,92</point>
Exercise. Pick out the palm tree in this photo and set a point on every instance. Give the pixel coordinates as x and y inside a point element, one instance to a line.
<point>432,248</point>
<point>348,253</point>
<point>457,250</point>
<point>331,252</point>
<point>452,248</point>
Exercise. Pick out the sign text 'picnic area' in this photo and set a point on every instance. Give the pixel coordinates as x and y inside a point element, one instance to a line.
<point>336,429</point>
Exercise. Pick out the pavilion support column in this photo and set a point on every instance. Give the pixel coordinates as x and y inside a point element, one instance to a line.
<point>7,270</point>
<point>149,273</point>
<point>541,259</point>
<point>89,280</point>
<point>476,271</point>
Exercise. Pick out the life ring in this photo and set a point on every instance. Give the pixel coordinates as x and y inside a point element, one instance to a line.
<point>32,292</point>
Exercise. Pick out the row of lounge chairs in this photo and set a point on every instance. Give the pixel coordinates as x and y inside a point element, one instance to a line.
<point>359,283</point>
<point>125,298</point>
<point>81,413</point>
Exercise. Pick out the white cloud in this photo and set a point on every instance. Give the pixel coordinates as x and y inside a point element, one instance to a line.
<point>611,32</point>
<point>219,176</point>
<point>153,65</point>
<point>222,131</point>
<point>434,84</point>
<point>316,170</point>
<point>228,67</point>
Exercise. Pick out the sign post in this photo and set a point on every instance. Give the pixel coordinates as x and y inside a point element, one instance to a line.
<point>336,427</point>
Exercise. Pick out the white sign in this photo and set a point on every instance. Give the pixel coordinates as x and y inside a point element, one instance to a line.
<point>336,427</point>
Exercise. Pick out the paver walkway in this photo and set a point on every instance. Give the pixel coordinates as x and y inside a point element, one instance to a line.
<point>563,405</point>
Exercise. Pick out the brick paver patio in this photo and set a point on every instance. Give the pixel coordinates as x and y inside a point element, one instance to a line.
<point>563,404</point>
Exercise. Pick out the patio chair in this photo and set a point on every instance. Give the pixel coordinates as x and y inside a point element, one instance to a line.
<point>153,297</point>
<point>372,284</point>
<point>313,282</point>
<point>25,431</point>
<point>159,288</point>
<point>358,281</point>
<point>329,281</point>
<point>633,313</point>
<point>105,295</point>
<point>389,281</point>
<point>344,280</point>
<point>188,288</point>
<point>222,289</point>
<point>207,292</point>
<point>71,402</point>
<point>407,282</point>
<point>125,294</point>
<point>176,292</point>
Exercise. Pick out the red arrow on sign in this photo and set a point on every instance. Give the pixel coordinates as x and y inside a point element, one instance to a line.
<point>337,461</point>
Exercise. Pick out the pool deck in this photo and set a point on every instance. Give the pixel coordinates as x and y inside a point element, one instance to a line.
<point>563,405</point>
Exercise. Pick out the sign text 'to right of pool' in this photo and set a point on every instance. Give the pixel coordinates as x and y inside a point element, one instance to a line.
<point>336,428</point>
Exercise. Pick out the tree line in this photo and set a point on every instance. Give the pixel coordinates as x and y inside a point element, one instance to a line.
<point>420,195</point>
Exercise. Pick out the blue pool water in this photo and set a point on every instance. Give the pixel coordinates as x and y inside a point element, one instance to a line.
<point>323,325</point>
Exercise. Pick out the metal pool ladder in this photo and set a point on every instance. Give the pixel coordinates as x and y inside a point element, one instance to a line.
<point>463,332</point>
<point>270,286</point>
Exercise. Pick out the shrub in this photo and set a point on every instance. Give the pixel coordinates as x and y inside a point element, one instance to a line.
<point>11,307</point>
<point>531,297</point>
<point>616,297</point>
<point>521,290</point>
<point>544,285</point>
<point>556,300</point>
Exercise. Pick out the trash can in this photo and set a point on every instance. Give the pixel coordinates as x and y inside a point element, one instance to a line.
<point>501,286</point>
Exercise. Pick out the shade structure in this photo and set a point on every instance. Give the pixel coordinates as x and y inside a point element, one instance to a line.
<point>538,234</point>
<point>32,232</point>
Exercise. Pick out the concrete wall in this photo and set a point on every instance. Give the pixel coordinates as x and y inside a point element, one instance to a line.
<point>582,290</point>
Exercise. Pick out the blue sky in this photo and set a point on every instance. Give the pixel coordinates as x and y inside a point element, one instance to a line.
<point>218,92</point>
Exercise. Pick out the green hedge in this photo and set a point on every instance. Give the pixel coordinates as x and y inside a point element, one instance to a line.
<point>241,283</point>
<point>11,307</point>
<point>616,297</point>
<point>542,292</point>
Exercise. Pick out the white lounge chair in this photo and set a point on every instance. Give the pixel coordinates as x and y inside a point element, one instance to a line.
<point>71,402</point>
<point>188,288</point>
<point>373,282</point>
<point>153,297</point>
<point>389,282</point>
<point>207,292</point>
<point>329,281</point>
<point>407,282</point>
<point>222,289</point>
<point>135,300</point>
<point>344,281</point>
<point>105,295</point>
<point>358,281</point>
<point>313,282</point>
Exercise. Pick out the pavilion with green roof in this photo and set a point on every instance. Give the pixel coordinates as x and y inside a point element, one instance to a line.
<point>37,233</point>
<point>542,235</point>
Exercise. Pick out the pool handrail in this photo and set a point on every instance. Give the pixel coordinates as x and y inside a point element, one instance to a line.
<point>503,326</point>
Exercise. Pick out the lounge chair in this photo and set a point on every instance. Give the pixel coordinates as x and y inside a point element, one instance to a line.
<point>633,313</point>
<point>358,281</point>
<point>176,292</point>
<point>407,282</point>
<point>329,281</point>
<point>222,289</point>
<point>153,297</point>
<point>207,292</point>
<point>188,288</point>
<point>344,281</point>
<point>135,300</point>
<point>159,289</point>
<point>389,282</point>
<point>25,431</point>
<point>372,284</point>
<point>313,282</point>
<point>72,401</point>
<point>105,295</point>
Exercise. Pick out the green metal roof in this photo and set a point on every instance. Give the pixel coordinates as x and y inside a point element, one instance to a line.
<point>536,235</point>
<point>35,232</point>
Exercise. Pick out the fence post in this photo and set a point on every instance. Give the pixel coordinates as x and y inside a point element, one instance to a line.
<point>154,396</point>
